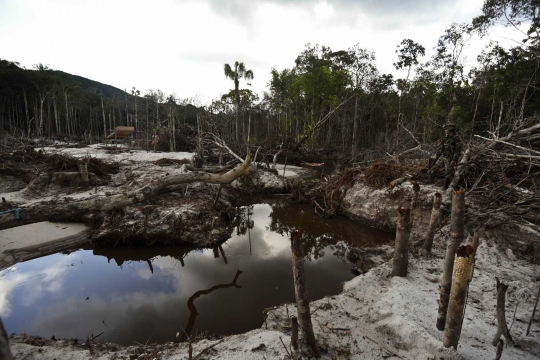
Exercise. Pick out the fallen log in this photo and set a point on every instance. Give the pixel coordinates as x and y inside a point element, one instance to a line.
<point>78,209</point>
<point>400,181</point>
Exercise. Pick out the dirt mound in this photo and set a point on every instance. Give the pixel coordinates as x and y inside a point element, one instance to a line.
<point>62,162</point>
<point>171,162</point>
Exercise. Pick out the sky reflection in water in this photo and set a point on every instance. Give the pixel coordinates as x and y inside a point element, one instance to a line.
<point>151,294</point>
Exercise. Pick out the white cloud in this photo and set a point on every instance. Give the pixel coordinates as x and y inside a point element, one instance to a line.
<point>180,46</point>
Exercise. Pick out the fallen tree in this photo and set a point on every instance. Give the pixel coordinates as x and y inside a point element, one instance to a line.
<point>79,209</point>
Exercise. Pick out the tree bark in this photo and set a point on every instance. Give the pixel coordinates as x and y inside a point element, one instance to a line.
<point>457,232</point>
<point>301,292</point>
<point>459,172</point>
<point>401,251</point>
<point>294,338</point>
<point>463,266</point>
<point>501,314</point>
<point>533,313</point>
<point>433,223</point>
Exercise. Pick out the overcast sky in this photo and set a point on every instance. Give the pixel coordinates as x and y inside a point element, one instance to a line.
<point>180,46</point>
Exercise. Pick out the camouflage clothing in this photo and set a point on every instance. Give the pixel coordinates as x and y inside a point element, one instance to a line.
<point>449,151</point>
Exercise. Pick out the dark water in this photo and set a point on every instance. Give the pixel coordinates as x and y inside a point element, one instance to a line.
<point>151,294</point>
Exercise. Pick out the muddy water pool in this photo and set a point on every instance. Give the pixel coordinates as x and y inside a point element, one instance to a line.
<point>140,295</point>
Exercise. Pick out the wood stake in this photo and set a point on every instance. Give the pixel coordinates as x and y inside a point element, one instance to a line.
<point>457,232</point>
<point>463,266</point>
<point>401,251</point>
<point>301,293</point>
<point>501,314</point>
<point>433,222</point>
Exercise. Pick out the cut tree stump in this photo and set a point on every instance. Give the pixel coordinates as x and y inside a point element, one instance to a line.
<point>457,233</point>
<point>463,266</point>
<point>401,251</point>
<point>433,223</point>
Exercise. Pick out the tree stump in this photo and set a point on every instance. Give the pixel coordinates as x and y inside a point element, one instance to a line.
<point>433,223</point>
<point>457,233</point>
<point>463,266</point>
<point>401,251</point>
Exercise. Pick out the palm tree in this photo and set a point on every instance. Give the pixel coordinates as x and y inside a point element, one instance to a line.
<point>235,75</point>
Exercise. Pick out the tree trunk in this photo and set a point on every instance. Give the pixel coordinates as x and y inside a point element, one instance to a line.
<point>433,222</point>
<point>301,293</point>
<point>457,231</point>
<point>104,121</point>
<point>533,312</point>
<point>5,352</point>
<point>463,266</point>
<point>401,252</point>
<point>294,338</point>
<point>501,314</point>
<point>355,127</point>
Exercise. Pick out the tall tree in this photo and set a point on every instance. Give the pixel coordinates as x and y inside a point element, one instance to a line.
<point>238,73</point>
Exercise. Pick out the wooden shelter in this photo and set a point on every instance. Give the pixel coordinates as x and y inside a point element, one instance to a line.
<point>121,132</point>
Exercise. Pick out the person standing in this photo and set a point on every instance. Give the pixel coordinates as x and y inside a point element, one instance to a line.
<point>447,155</point>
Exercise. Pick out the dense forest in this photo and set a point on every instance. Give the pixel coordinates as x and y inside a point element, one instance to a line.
<point>331,99</point>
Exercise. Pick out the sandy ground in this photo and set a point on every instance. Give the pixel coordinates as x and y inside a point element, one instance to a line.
<point>375,317</point>
<point>35,240</point>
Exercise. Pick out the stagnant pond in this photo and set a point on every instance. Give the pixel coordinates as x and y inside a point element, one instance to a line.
<point>151,294</point>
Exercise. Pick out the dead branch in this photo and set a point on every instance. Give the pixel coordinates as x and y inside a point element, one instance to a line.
<point>208,348</point>
<point>509,144</point>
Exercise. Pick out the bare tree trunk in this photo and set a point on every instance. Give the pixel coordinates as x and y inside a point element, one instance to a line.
<point>457,232</point>
<point>355,127</point>
<point>401,251</point>
<point>433,222</point>
<point>301,293</point>
<point>463,266</point>
<point>500,347</point>
<point>533,313</point>
<point>5,352</point>
<point>249,126</point>
<point>294,338</point>
<point>501,314</point>
<point>104,122</point>
<point>414,203</point>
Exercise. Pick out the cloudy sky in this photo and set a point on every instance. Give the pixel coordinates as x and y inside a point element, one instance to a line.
<point>180,46</point>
